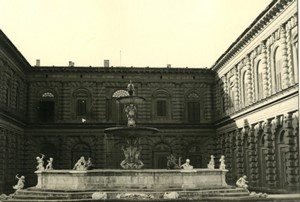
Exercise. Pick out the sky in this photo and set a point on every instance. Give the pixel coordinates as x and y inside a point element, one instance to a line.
<point>138,33</point>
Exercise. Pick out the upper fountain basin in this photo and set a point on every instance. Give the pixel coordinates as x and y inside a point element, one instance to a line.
<point>131,131</point>
<point>131,100</point>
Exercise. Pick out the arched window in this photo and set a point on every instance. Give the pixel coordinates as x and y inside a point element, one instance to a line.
<point>295,57</point>
<point>277,61</point>
<point>281,159</point>
<point>160,153</point>
<point>260,86</point>
<point>193,108</point>
<point>46,109</point>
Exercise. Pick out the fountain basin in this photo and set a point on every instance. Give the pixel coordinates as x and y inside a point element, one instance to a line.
<point>149,179</point>
<point>131,100</point>
<point>131,131</point>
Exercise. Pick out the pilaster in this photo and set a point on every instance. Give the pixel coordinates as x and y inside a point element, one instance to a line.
<point>285,68</point>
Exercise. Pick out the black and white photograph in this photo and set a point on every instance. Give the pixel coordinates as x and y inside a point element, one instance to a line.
<point>149,100</point>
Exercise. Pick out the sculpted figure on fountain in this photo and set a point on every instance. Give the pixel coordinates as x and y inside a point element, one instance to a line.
<point>187,165</point>
<point>49,166</point>
<point>40,161</point>
<point>211,164</point>
<point>80,164</point>
<point>20,184</point>
<point>222,162</point>
<point>171,163</point>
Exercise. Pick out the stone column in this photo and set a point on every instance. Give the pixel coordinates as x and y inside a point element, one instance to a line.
<point>239,154</point>
<point>270,154</point>
<point>292,166</point>
<point>265,72</point>
<point>268,57</point>
<point>285,68</point>
<point>237,89</point>
<point>253,155</point>
<point>226,93</point>
<point>249,81</point>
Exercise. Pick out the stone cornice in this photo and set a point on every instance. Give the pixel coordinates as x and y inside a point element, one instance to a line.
<point>151,70</point>
<point>14,53</point>
<point>273,10</point>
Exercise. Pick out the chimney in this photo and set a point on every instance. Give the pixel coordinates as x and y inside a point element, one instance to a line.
<point>168,65</point>
<point>71,64</point>
<point>106,63</point>
<point>38,62</point>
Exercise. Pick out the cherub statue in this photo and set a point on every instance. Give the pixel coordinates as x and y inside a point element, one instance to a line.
<point>171,163</point>
<point>211,164</point>
<point>241,182</point>
<point>187,165</point>
<point>40,161</point>
<point>222,162</point>
<point>80,165</point>
<point>20,184</point>
<point>89,164</point>
<point>49,166</point>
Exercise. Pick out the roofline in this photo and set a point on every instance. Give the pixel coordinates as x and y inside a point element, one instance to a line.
<point>14,52</point>
<point>261,20</point>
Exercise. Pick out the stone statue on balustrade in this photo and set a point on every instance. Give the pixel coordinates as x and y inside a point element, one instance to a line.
<point>187,165</point>
<point>211,164</point>
<point>222,163</point>
<point>49,166</point>
<point>80,164</point>
<point>89,164</point>
<point>40,161</point>
<point>171,162</point>
<point>20,184</point>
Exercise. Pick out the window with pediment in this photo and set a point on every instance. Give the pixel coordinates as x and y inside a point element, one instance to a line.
<point>82,99</point>
<point>193,108</point>
<point>161,105</point>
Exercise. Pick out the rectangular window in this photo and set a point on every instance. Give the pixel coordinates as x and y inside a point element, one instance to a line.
<point>161,108</point>
<point>193,111</point>
<point>81,107</point>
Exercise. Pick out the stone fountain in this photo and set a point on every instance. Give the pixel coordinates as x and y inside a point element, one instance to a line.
<point>132,133</point>
<point>131,182</point>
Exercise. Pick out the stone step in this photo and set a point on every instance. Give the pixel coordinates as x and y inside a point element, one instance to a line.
<point>66,196</point>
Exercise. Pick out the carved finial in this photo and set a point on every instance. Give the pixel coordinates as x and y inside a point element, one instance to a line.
<point>130,88</point>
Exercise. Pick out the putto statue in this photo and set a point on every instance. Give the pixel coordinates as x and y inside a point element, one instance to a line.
<point>20,184</point>
<point>49,166</point>
<point>211,164</point>
<point>80,164</point>
<point>222,162</point>
<point>242,182</point>
<point>40,161</point>
<point>171,163</point>
<point>187,165</point>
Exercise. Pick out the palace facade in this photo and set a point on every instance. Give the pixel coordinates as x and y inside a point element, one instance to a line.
<point>244,107</point>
